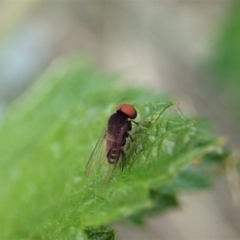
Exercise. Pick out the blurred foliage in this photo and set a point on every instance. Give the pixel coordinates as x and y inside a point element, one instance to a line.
<point>224,65</point>
<point>227,55</point>
<point>47,137</point>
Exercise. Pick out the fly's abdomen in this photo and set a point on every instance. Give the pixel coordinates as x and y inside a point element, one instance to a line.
<point>113,151</point>
<point>117,128</point>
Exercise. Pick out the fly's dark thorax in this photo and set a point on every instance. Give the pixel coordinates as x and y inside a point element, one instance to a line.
<point>118,126</point>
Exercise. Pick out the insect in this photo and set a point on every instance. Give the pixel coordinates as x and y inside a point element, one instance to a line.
<point>109,148</point>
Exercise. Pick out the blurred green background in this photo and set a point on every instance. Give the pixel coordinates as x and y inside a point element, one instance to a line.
<point>188,49</point>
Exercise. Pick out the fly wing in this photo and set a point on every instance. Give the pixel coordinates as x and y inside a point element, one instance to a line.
<point>97,165</point>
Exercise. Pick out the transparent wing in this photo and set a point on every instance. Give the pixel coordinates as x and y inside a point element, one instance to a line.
<point>97,165</point>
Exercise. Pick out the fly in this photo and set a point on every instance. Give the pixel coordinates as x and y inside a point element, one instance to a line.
<point>109,148</point>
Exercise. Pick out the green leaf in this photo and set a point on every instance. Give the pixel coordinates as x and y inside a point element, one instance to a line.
<point>101,234</point>
<point>47,137</point>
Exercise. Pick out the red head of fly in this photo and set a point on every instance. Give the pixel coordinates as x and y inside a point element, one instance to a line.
<point>128,110</point>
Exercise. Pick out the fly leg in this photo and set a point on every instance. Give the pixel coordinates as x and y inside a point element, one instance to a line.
<point>128,135</point>
<point>135,122</point>
<point>130,128</point>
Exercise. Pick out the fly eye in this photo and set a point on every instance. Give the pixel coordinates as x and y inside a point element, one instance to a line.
<point>128,110</point>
